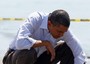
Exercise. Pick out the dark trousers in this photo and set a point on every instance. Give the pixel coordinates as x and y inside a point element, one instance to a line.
<point>63,54</point>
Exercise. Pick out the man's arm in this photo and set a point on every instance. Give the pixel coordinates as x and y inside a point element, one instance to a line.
<point>24,39</point>
<point>48,46</point>
<point>73,43</point>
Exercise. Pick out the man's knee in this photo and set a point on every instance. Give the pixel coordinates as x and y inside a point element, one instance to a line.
<point>64,49</point>
<point>20,56</point>
<point>24,56</point>
<point>64,54</point>
<point>7,57</point>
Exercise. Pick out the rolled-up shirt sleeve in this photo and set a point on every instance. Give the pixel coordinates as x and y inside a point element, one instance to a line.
<point>73,43</point>
<point>24,39</point>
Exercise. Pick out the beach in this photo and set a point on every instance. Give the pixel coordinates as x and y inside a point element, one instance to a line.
<point>77,9</point>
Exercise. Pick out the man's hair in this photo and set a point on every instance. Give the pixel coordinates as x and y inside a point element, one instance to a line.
<point>59,17</point>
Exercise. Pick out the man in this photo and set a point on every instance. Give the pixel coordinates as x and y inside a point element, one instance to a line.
<point>36,41</point>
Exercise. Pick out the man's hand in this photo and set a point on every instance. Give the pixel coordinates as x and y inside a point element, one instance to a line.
<point>48,46</point>
<point>50,49</point>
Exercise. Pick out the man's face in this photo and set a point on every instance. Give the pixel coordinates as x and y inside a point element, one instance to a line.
<point>57,31</point>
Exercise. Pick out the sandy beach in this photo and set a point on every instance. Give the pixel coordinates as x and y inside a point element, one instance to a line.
<point>22,8</point>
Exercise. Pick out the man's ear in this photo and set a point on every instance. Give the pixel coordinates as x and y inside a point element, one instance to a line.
<point>49,23</point>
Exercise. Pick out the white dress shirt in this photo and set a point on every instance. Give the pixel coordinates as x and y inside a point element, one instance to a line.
<point>35,28</point>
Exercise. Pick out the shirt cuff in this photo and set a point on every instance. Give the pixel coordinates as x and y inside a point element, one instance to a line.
<point>32,40</point>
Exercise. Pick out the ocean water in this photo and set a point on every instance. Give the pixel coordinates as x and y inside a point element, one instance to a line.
<point>22,8</point>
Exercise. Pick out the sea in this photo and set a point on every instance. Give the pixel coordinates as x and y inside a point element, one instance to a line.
<point>77,9</point>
